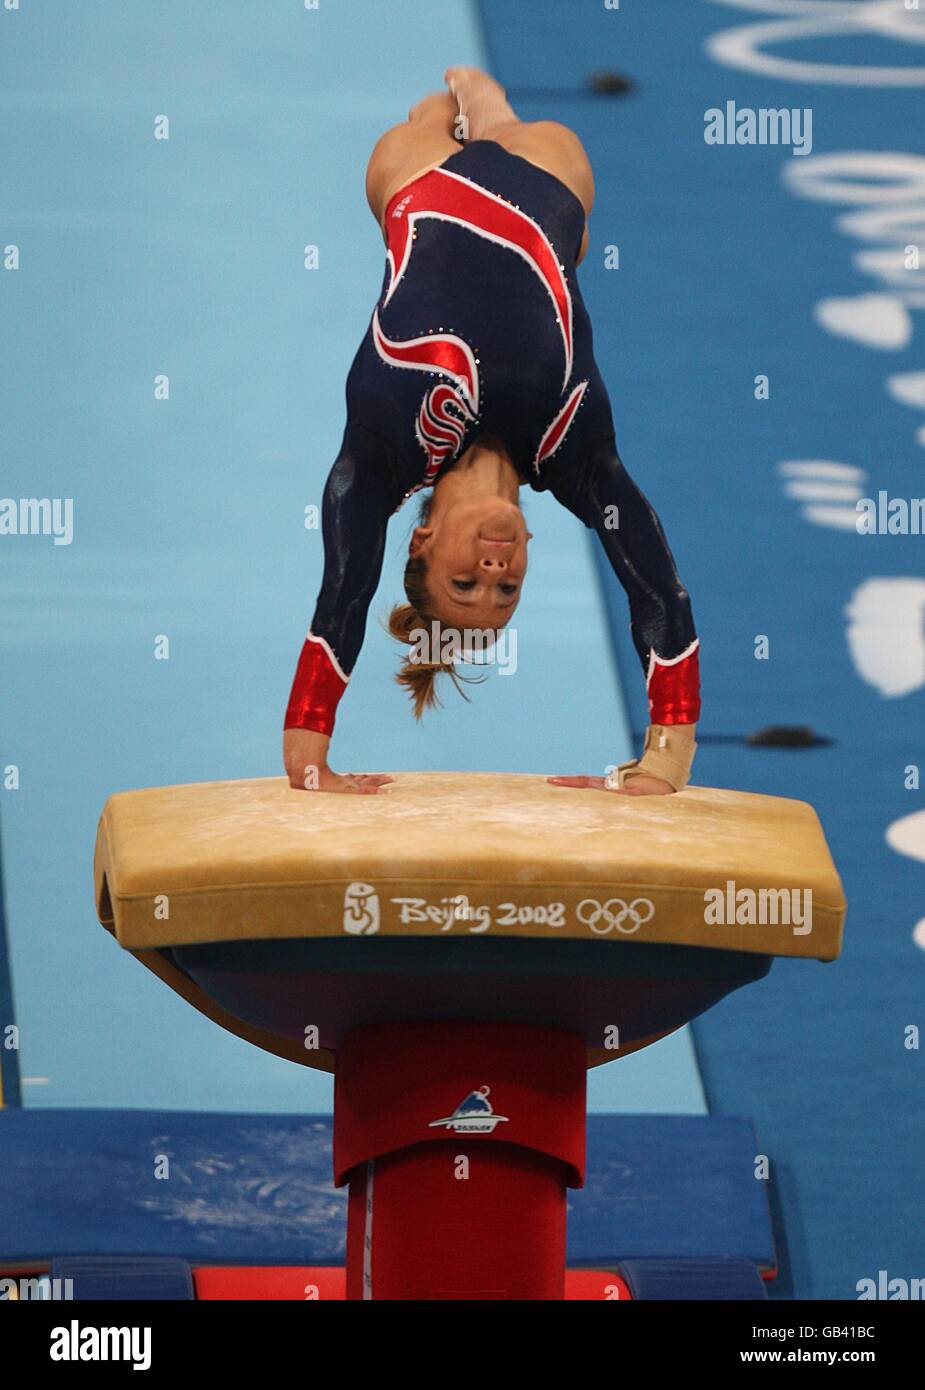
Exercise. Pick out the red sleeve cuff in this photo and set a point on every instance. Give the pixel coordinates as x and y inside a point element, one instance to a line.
<point>319,683</point>
<point>674,688</point>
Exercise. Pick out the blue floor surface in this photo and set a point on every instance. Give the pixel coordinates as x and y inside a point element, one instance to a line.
<point>745,261</point>
<point>184,258</point>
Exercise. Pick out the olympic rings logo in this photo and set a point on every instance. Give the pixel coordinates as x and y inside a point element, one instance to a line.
<point>744,45</point>
<point>591,913</point>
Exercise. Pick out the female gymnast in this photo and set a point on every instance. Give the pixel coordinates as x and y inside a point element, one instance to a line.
<point>476,376</point>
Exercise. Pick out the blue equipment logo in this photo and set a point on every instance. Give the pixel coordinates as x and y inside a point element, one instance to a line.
<point>474,1115</point>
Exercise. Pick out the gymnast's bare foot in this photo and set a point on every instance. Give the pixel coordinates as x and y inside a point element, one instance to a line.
<point>641,785</point>
<point>481,100</point>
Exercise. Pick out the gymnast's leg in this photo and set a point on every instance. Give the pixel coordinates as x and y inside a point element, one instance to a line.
<point>429,136</point>
<point>488,115</point>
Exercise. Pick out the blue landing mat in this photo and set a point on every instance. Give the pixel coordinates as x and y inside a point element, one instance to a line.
<point>257,1189</point>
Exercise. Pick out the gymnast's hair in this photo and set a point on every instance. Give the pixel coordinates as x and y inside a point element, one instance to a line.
<point>419,678</point>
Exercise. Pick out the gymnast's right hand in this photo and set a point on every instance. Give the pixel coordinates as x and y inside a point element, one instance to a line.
<point>305,755</point>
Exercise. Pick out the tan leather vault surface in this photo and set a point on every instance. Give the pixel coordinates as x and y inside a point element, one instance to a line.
<point>254,859</point>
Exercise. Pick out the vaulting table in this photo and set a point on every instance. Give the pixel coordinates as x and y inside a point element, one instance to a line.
<point>457,950</point>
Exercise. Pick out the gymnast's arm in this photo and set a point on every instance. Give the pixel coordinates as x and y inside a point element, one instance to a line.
<point>359,497</point>
<point>605,498</point>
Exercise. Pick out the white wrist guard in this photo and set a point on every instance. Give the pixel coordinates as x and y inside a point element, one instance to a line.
<point>668,753</point>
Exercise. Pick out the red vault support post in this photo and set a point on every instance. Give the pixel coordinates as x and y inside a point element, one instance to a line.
<point>459,1141</point>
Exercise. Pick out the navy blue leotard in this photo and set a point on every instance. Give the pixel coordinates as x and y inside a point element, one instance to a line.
<point>480,328</point>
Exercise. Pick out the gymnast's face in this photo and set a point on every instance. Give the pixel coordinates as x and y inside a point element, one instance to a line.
<point>476,555</point>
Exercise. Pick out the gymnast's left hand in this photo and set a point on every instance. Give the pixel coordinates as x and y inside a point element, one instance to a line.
<point>641,785</point>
